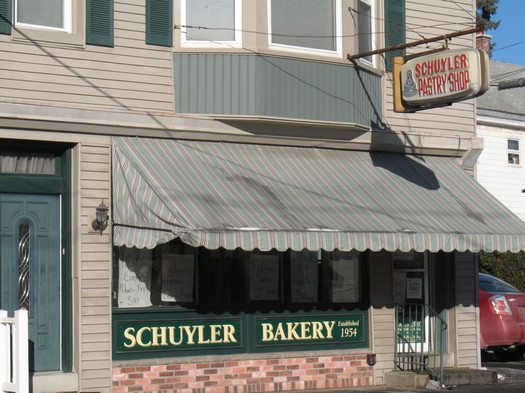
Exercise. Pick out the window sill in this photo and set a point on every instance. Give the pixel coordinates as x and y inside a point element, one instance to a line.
<point>56,38</point>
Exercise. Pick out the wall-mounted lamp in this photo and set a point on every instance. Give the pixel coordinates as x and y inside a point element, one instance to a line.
<point>101,222</point>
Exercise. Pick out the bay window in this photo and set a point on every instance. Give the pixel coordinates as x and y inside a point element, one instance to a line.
<point>211,22</point>
<point>305,24</point>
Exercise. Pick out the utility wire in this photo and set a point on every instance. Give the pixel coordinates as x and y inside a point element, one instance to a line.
<point>508,46</point>
<point>231,29</point>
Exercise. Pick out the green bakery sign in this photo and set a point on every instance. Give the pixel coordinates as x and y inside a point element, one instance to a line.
<point>140,336</point>
<point>271,331</point>
<point>146,336</point>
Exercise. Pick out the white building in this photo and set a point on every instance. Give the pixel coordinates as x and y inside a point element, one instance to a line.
<point>501,124</point>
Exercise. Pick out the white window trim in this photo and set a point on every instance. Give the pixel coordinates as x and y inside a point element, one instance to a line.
<point>237,43</point>
<point>67,19</point>
<point>513,151</point>
<point>305,50</point>
<point>372,5</point>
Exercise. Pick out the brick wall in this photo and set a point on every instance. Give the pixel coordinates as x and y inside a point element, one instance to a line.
<point>245,376</point>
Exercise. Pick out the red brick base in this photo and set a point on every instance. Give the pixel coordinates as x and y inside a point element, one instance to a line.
<point>246,376</point>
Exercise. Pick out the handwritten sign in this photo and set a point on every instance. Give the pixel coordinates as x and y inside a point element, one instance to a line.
<point>134,277</point>
<point>345,277</point>
<point>177,278</point>
<point>264,277</point>
<point>304,276</point>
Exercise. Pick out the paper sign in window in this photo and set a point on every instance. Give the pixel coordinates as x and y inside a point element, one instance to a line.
<point>264,277</point>
<point>177,278</point>
<point>304,276</point>
<point>345,277</point>
<point>134,284</point>
<point>414,288</point>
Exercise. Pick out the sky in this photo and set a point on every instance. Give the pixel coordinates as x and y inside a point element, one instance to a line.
<point>510,35</point>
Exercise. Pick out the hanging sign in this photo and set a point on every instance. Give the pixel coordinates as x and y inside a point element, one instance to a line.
<point>444,77</point>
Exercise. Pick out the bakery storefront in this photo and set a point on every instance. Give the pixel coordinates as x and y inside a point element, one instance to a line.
<point>259,265</point>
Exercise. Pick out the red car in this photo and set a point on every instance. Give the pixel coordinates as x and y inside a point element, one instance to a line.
<point>502,318</point>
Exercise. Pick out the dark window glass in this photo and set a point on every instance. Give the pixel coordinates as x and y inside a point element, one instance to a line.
<point>177,274</point>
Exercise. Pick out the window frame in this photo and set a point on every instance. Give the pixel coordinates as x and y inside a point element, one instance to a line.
<point>372,5</point>
<point>236,264</point>
<point>67,19</point>
<point>513,152</point>
<point>338,39</point>
<point>236,43</point>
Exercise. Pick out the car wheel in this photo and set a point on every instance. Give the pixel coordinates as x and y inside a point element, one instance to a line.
<point>510,355</point>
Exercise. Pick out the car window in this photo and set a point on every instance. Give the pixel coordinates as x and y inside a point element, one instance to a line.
<point>492,284</point>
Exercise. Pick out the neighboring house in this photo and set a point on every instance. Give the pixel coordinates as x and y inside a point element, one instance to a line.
<point>268,211</point>
<point>501,124</point>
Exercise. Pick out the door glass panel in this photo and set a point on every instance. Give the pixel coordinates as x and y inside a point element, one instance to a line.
<point>24,257</point>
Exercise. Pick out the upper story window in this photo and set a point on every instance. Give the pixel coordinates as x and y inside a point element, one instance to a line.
<point>365,27</point>
<point>211,22</point>
<point>306,25</point>
<point>513,149</point>
<point>44,14</point>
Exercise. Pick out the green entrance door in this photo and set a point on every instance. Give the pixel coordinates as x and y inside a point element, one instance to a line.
<point>30,271</point>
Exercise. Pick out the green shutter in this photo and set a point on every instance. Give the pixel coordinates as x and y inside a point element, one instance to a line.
<point>5,16</point>
<point>159,22</point>
<point>99,22</point>
<point>395,29</point>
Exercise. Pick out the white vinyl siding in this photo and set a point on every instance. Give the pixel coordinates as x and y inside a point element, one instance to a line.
<point>504,180</point>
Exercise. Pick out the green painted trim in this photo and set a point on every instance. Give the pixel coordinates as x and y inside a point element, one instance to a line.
<point>99,22</point>
<point>60,183</point>
<point>271,86</point>
<point>5,16</point>
<point>67,291</point>
<point>395,29</point>
<point>31,184</point>
<point>159,22</point>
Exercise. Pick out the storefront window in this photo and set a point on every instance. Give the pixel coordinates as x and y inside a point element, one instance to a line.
<point>177,274</point>
<point>183,301</point>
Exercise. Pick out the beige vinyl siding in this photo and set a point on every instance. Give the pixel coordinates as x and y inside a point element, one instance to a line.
<point>95,270</point>
<point>130,76</point>
<point>428,19</point>
<point>467,312</point>
<point>382,318</point>
<point>91,256</point>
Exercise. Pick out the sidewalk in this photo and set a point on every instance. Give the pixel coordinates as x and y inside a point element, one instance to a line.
<point>492,388</point>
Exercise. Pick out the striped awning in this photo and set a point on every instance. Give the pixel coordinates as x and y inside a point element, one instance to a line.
<point>229,195</point>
